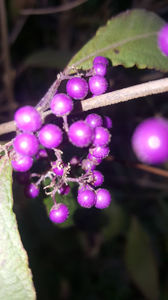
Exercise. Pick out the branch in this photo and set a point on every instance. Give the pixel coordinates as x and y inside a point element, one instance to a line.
<point>123,95</point>
<point>52,10</point>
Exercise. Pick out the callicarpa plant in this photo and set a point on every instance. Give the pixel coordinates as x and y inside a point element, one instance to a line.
<point>46,133</point>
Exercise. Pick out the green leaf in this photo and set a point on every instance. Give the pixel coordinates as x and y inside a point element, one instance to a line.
<point>140,261</point>
<point>15,275</point>
<point>128,39</point>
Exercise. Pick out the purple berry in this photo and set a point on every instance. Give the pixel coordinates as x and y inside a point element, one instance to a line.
<point>80,134</point>
<point>102,137</point>
<point>59,213</point>
<point>98,85</point>
<point>95,160</point>
<point>61,105</point>
<point>23,177</point>
<point>107,122</point>
<point>86,198</point>
<point>77,88</point>
<point>64,190</point>
<point>31,190</point>
<point>58,168</point>
<point>74,161</point>
<point>100,60</point>
<point>98,178</point>
<point>88,165</point>
<point>27,119</point>
<point>100,152</point>
<point>103,198</point>
<point>26,144</point>
<point>150,141</point>
<point>94,120</point>
<point>100,69</point>
<point>50,136</point>
<point>163,40</point>
<point>42,153</point>
<point>22,163</point>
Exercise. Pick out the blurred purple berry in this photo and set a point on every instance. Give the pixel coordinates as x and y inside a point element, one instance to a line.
<point>22,163</point>
<point>50,136</point>
<point>27,119</point>
<point>98,85</point>
<point>94,120</point>
<point>100,60</point>
<point>86,198</point>
<point>26,144</point>
<point>64,190</point>
<point>59,213</point>
<point>99,152</point>
<point>107,122</point>
<point>100,69</point>
<point>103,198</point>
<point>74,161</point>
<point>61,105</point>
<point>102,137</point>
<point>77,88</point>
<point>80,134</point>
<point>31,190</point>
<point>98,178</point>
<point>23,177</point>
<point>88,165</point>
<point>163,40</point>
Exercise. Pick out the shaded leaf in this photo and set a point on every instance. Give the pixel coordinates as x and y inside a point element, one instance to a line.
<point>128,39</point>
<point>15,275</point>
<point>140,261</point>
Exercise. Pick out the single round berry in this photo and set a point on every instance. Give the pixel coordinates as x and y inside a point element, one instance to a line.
<point>103,198</point>
<point>95,160</point>
<point>64,190</point>
<point>59,213</point>
<point>100,152</point>
<point>86,198</point>
<point>31,190</point>
<point>42,153</point>
<point>77,88</point>
<point>22,163</point>
<point>102,137</point>
<point>98,85</point>
<point>61,105</point>
<point>100,60</point>
<point>26,144</point>
<point>50,136</point>
<point>27,119</point>
<point>88,165</point>
<point>150,141</point>
<point>100,69</point>
<point>163,40</point>
<point>80,134</point>
<point>74,161</point>
<point>98,178</point>
<point>107,122</point>
<point>94,120</point>
<point>58,168</point>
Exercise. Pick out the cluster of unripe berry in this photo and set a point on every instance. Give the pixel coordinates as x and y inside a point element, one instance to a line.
<point>34,139</point>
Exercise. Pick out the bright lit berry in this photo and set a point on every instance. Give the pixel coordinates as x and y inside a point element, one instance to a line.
<point>58,168</point>
<point>103,198</point>
<point>100,152</point>
<point>77,88</point>
<point>94,120</point>
<point>80,134</point>
<point>87,165</point>
<point>150,141</point>
<point>26,144</point>
<point>31,190</point>
<point>27,119</point>
<point>50,136</point>
<point>86,198</point>
<point>100,69</point>
<point>107,122</point>
<point>98,85</point>
<point>102,137</point>
<point>100,60</point>
<point>64,190</point>
<point>163,40</point>
<point>22,163</point>
<point>98,178</point>
<point>59,213</point>
<point>61,105</point>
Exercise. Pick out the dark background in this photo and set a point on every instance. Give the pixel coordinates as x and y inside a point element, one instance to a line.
<point>86,261</point>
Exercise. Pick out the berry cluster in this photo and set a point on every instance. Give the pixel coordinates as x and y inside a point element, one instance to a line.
<point>34,140</point>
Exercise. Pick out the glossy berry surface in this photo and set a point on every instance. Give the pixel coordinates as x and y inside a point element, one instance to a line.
<point>107,122</point>
<point>163,40</point>
<point>86,198</point>
<point>100,60</point>
<point>58,169</point>
<point>26,144</point>
<point>61,105</point>
<point>77,88</point>
<point>22,163</point>
<point>59,213</point>
<point>98,85</point>
<point>100,69</point>
<point>31,190</point>
<point>50,136</point>
<point>27,119</point>
<point>80,134</point>
<point>103,198</point>
<point>102,137</point>
<point>150,141</point>
<point>100,152</point>
<point>98,178</point>
<point>94,120</point>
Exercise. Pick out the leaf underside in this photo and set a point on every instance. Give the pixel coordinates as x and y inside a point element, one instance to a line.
<point>128,39</point>
<point>15,275</point>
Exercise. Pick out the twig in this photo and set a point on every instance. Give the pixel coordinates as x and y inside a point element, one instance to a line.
<point>17,29</point>
<point>52,10</point>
